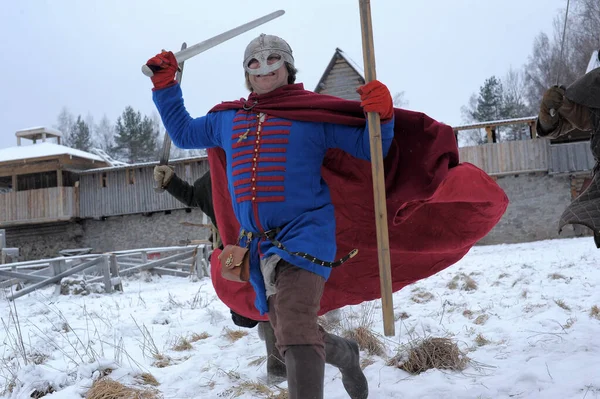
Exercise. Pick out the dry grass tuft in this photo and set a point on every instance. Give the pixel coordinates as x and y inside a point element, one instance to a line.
<point>258,361</point>
<point>147,379</point>
<point>366,362</point>
<point>480,340</point>
<point>162,361</point>
<point>366,340</point>
<point>422,297</point>
<point>524,294</point>
<point>562,304</point>
<point>432,353</point>
<point>234,335</point>
<point>556,276</point>
<point>401,316</point>
<point>182,344</point>
<point>106,388</point>
<point>481,319</point>
<point>256,389</point>
<point>463,282</point>
<point>468,314</point>
<point>38,357</point>
<point>570,322</point>
<point>40,393</point>
<point>503,275</point>
<point>595,312</point>
<point>199,337</point>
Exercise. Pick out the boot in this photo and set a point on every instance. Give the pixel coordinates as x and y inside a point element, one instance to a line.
<point>306,372</point>
<point>343,354</point>
<point>276,370</point>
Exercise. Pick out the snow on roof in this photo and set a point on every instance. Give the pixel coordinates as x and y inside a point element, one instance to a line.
<point>44,149</point>
<point>478,125</point>
<point>141,165</point>
<point>353,64</point>
<point>38,130</point>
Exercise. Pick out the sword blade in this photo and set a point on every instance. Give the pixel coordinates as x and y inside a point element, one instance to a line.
<point>201,47</point>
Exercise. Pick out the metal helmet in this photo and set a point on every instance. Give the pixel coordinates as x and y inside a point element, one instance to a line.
<point>262,48</point>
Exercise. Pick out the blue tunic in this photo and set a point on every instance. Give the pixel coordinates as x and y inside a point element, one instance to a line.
<point>274,175</point>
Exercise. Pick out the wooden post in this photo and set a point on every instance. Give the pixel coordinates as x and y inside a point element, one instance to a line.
<point>532,130</point>
<point>383,244</point>
<point>490,135</point>
<point>114,272</point>
<point>14,183</point>
<point>105,267</point>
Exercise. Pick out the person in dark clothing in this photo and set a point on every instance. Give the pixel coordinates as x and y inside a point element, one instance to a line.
<point>199,195</point>
<point>563,110</point>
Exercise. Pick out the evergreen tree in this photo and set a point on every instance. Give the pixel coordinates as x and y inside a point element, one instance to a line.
<point>136,137</point>
<point>490,101</point>
<point>79,136</point>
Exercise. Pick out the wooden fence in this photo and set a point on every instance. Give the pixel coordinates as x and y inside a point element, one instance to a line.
<point>107,268</point>
<point>508,157</point>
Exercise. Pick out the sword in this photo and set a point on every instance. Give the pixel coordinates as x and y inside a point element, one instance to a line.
<point>166,147</point>
<point>560,60</point>
<point>196,49</point>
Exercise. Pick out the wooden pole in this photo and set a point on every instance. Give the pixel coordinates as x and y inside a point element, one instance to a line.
<point>383,244</point>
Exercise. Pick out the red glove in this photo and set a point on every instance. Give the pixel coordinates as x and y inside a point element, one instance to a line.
<point>375,97</point>
<point>164,66</point>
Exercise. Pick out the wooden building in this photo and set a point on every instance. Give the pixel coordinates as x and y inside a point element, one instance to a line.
<point>38,182</point>
<point>341,77</point>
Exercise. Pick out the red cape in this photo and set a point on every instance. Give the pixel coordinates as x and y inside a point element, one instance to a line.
<point>437,208</point>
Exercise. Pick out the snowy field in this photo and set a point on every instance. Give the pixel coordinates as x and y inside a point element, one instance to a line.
<point>526,315</point>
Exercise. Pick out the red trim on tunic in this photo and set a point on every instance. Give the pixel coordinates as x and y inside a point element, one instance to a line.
<point>251,141</point>
<point>272,198</point>
<point>261,169</point>
<point>258,160</point>
<point>261,150</point>
<point>249,180</point>
<point>258,189</point>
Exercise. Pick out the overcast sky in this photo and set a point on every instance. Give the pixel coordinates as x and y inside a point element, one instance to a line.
<point>86,55</point>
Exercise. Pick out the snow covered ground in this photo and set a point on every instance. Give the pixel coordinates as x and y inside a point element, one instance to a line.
<point>525,317</point>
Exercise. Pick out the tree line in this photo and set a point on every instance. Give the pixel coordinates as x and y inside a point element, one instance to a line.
<point>519,92</point>
<point>132,138</point>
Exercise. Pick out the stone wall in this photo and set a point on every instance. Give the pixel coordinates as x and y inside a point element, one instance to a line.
<point>537,201</point>
<point>44,240</point>
<point>158,229</point>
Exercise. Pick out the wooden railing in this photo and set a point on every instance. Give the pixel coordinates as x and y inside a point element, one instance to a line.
<point>508,157</point>
<point>38,206</point>
<point>107,268</point>
<point>523,156</point>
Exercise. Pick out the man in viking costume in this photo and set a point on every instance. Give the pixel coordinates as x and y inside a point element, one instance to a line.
<point>577,107</point>
<point>292,183</point>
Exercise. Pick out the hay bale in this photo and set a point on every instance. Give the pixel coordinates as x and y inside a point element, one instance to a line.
<point>431,353</point>
<point>105,388</point>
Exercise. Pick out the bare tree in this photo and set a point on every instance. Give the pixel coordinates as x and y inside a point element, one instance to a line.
<point>104,135</point>
<point>545,65</point>
<point>399,100</point>
<point>64,123</point>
